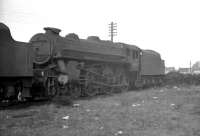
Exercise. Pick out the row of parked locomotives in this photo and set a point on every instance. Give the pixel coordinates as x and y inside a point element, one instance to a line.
<point>50,65</point>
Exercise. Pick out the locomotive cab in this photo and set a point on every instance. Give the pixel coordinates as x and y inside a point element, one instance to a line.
<point>133,58</point>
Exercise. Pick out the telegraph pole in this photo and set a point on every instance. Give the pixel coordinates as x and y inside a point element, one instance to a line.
<point>112,30</point>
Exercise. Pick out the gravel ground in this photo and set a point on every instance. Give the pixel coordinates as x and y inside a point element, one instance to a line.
<point>167,111</point>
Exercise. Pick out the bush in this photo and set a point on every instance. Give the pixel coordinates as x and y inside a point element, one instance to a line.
<point>176,78</point>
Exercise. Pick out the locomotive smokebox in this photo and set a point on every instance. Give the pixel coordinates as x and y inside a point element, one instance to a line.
<point>51,30</point>
<point>43,44</point>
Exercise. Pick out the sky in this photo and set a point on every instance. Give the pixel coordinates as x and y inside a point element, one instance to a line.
<point>170,27</point>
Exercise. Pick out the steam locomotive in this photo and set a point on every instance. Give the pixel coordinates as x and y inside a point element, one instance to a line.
<point>50,65</point>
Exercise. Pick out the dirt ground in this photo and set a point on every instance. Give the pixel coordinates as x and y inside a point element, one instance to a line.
<point>166,111</point>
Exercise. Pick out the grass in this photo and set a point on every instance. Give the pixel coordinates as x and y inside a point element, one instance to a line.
<point>161,111</point>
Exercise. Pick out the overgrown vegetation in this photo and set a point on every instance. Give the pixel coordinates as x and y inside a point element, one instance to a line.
<point>176,78</point>
<point>166,111</point>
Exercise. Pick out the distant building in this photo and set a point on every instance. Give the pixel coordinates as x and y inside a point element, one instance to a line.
<point>169,69</point>
<point>196,68</point>
<point>196,72</point>
<point>184,70</point>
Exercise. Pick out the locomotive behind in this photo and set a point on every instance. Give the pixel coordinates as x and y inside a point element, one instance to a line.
<point>152,68</point>
<point>50,65</point>
<point>16,69</point>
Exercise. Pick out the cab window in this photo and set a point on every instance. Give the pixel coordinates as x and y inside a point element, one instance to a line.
<point>128,52</point>
<point>135,54</point>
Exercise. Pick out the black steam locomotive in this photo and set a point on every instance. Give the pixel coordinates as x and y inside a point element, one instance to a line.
<point>50,64</point>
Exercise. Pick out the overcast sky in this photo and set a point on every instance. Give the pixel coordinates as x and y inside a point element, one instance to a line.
<point>170,27</point>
